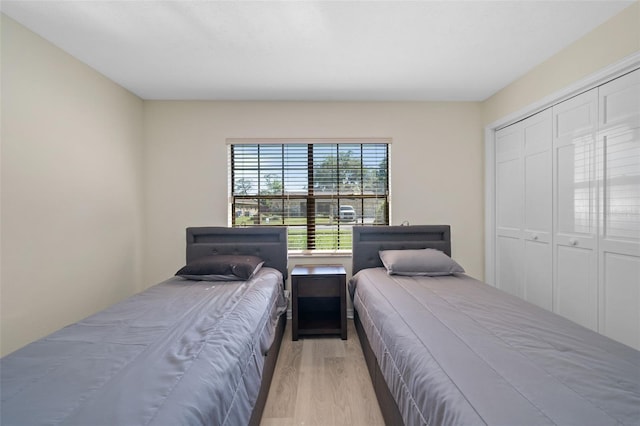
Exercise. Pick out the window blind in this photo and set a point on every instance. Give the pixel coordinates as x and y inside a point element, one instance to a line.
<point>318,190</point>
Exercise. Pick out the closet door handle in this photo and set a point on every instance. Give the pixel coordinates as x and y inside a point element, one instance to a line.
<point>535,238</point>
<point>573,242</point>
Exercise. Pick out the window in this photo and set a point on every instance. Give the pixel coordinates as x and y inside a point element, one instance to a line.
<point>319,190</point>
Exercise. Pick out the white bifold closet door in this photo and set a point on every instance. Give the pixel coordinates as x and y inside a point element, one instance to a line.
<point>574,194</point>
<point>523,209</point>
<point>618,177</point>
<point>568,209</point>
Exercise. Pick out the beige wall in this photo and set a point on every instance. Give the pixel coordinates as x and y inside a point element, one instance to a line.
<point>436,165</point>
<point>612,41</point>
<point>71,171</point>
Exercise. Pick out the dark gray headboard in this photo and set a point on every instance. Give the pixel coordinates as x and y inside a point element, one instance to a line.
<point>369,240</point>
<point>267,242</point>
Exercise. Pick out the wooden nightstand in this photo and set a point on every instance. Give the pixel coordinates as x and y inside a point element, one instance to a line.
<point>319,300</point>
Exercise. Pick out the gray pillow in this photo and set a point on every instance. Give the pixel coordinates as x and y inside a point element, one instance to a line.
<point>222,267</point>
<point>429,262</point>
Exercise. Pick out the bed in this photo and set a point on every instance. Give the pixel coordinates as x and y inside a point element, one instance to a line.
<point>451,350</point>
<point>183,352</point>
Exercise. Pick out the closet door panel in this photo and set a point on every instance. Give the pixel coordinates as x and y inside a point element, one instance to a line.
<point>508,181</point>
<point>538,280</point>
<point>508,143</point>
<point>576,116</point>
<point>619,102</point>
<point>509,198</point>
<point>537,190</point>
<point>619,175</point>
<point>621,298</point>
<point>575,192</point>
<point>574,127</point>
<point>509,265</point>
<point>537,132</point>
<point>576,295</point>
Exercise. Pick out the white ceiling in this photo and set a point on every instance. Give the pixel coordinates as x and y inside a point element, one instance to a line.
<point>312,50</point>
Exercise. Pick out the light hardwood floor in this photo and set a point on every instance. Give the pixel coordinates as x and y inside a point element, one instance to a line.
<point>321,381</point>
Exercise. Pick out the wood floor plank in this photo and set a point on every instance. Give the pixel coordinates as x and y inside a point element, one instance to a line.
<point>285,379</point>
<point>321,381</point>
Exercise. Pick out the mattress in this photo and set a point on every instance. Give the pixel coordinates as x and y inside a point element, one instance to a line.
<point>180,353</point>
<point>456,351</point>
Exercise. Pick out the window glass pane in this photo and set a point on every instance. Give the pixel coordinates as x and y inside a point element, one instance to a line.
<point>349,169</point>
<point>297,237</point>
<point>270,182</point>
<point>245,156</point>
<point>325,169</point>
<point>295,171</point>
<point>245,212</point>
<point>333,237</point>
<point>378,209</point>
<point>245,182</point>
<point>326,211</point>
<point>295,212</point>
<point>349,210</point>
<point>271,212</point>
<point>374,161</point>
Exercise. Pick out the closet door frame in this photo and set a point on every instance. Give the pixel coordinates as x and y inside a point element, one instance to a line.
<point>598,78</point>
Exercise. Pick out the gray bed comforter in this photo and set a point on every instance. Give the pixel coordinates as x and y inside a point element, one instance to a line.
<point>180,353</point>
<point>456,351</point>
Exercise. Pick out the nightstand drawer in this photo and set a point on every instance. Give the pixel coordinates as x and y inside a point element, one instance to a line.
<point>318,287</point>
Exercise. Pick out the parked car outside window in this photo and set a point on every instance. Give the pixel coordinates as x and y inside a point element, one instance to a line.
<point>347,213</point>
